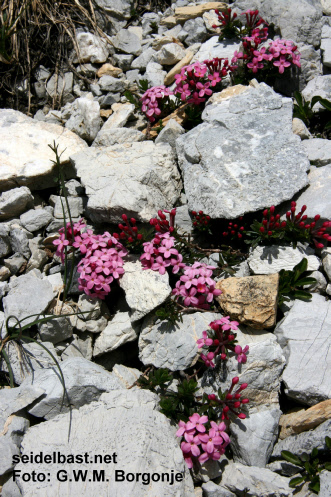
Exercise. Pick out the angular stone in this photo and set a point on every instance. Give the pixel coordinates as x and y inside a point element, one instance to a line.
<point>5,247</point>
<point>27,359</point>
<point>61,86</point>
<point>13,400</point>
<point>170,54</point>
<point>75,206</point>
<point>303,443</point>
<point>170,77</point>
<point>219,158</point>
<point>326,7</point>
<point>318,86</point>
<point>35,219</point>
<point>144,289</point>
<point>92,48</point>
<point>114,136</point>
<point>28,294</point>
<point>154,74</point>
<point>260,481</point>
<point>127,42</point>
<point>318,151</point>
<point>123,61</point>
<point>10,441</point>
<point>170,133</point>
<point>109,70</point>
<point>196,30</point>
<point>110,84</point>
<point>262,371</point>
<point>119,118</point>
<point>173,347</point>
<point>326,45</point>
<point>251,300</point>
<point>298,20</point>
<point>214,48</point>
<point>81,346</point>
<point>191,12</point>
<point>84,381</point>
<point>55,331</point>
<point>210,489</point>
<point>253,439</point>
<point>325,476</point>
<point>299,128</point>
<point>305,419</point>
<point>137,178</point>
<point>271,260</point>
<point>139,427</point>
<point>4,273</point>
<point>326,257</point>
<point>25,156</point>
<point>121,8</point>
<point>119,330</point>
<point>19,241</point>
<point>143,59</point>
<point>305,339</point>
<point>316,197</point>
<point>85,118</point>
<point>15,201</point>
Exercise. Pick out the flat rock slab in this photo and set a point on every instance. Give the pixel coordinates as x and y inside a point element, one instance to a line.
<point>304,335</point>
<point>173,347</point>
<point>252,300</point>
<point>260,481</point>
<point>118,331</point>
<point>85,381</point>
<point>244,156</point>
<point>25,157</point>
<point>138,179</point>
<point>144,289</point>
<point>215,48</point>
<point>317,196</point>
<point>318,151</point>
<point>141,438</point>
<point>271,260</point>
<point>253,439</point>
<point>22,302</point>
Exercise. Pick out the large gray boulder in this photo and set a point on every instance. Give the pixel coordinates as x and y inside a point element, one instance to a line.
<point>304,335</point>
<point>138,178</point>
<point>84,383</point>
<point>244,156</point>
<point>25,157</point>
<point>137,440</point>
<point>298,20</point>
<point>28,294</point>
<point>167,346</point>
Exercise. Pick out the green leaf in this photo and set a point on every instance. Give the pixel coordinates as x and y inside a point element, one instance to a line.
<point>326,103</point>
<point>300,268</point>
<point>315,487</point>
<point>327,466</point>
<point>306,281</point>
<point>296,481</point>
<point>314,101</point>
<point>7,361</point>
<point>314,453</point>
<point>292,458</point>
<point>298,98</point>
<point>328,442</point>
<point>302,295</point>
<point>328,125</point>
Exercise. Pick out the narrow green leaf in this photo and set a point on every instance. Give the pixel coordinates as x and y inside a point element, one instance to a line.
<point>10,371</point>
<point>302,295</point>
<point>326,103</point>
<point>314,452</point>
<point>292,458</point>
<point>296,481</point>
<point>328,442</point>
<point>327,466</point>
<point>314,101</point>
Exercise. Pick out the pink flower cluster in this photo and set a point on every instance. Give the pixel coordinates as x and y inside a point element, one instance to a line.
<point>151,101</point>
<point>196,288</point>
<point>195,81</point>
<point>67,236</point>
<point>160,253</point>
<point>102,261</point>
<point>212,443</point>
<point>162,225</point>
<point>232,401</point>
<point>220,340</point>
<point>280,53</point>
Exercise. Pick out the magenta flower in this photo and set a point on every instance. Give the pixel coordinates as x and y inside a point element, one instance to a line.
<point>241,353</point>
<point>204,340</point>
<point>198,422</point>
<point>281,63</point>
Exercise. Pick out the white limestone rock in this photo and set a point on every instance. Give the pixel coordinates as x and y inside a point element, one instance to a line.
<point>305,339</point>
<point>119,330</point>
<point>25,156</point>
<point>14,201</point>
<point>92,48</point>
<point>144,289</point>
<point>167,346</point>
<point>316,197</point>
<point>142,438</point>
<point>137,178</point>
<point>270,260</point>
<point>220,157</point>
<point>318,151</point>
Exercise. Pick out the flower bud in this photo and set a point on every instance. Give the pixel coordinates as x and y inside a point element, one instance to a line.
<point>244,401</point>
<point>265,212</point>
<point>236,404</point>
<point>242,415</point>
<point>223,357</point>
<point>303,208</point>
<point>283,224</point>
<point>235,380</point>
<point>243,386</point>
<point>262,229</point>
<point>124,217</point>
<point>133,221</point>
<point>216,342</point>
<point>317,217</point>
<point>272,209</point>
<point>229,396</point>
<point>212,396</point>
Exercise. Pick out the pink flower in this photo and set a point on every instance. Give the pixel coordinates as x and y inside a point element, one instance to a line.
<point>214,78</point>
<point>241,353</point>
<point>198,422</point>
<point>204,341</point>
<point>281,64</point>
